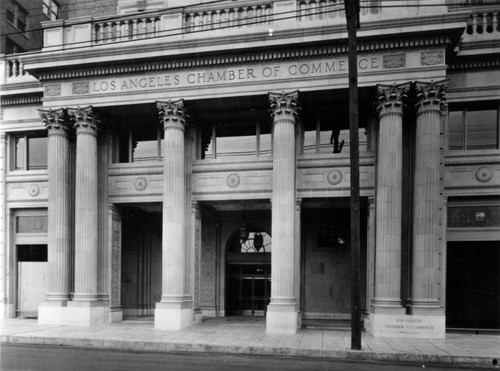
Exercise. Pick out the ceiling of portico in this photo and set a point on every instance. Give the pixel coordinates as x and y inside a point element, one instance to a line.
<point>249,109</point>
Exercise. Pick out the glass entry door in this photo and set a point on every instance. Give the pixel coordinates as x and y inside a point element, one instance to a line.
<point>249,289</point>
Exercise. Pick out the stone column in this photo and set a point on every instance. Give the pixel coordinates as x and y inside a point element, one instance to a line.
<point>428,202</point>
<point>388,200</point>
<point>282,311</point>
<point>59,217</point>
<point>87,308</point>
<point>298,246</point>
<point>174,311</point>
<point>3,217</point>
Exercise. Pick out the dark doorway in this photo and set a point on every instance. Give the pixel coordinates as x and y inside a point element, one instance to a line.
<point>248,289</point>
<point>473,285</point>
<point>141,260</point>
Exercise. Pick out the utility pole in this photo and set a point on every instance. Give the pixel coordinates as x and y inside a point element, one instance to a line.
<point>352,15</point>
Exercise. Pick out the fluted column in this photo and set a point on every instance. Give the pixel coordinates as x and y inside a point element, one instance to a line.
<point>174,311</point>
<point>59,218</point>
<point>427,200</point>
<point>388,200</point>
<point>86,205</point>
<point>282,312</point>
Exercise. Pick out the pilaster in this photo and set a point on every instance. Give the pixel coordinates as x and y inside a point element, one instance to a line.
<point>196,225</point>
<point>282,316</point>
<point>174,311</point>
<point>3,235</point>
<point>59,215</point>
<point>428,201</point>
<point>115,246</point>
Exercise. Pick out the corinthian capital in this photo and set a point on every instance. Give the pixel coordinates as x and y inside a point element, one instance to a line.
<point>83,120</point>
<point>431,96</point>
<point>391,98</point>
<point>284,104</point>
<point>55,121</point>
<point>172,114</point>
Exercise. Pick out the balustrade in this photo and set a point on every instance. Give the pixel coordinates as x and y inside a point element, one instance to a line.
<point>228,17</point>
<point>483,24</point>
<point>312,10</point>
<point>126,29</point>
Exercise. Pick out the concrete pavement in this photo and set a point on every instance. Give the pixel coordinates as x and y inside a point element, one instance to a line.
<point>230,335</point>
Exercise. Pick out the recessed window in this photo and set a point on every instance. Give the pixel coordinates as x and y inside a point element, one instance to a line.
<point>236,139</point>
<point>51,9</point>
<point>29,152</point>
<point>138,142</point>
<point>473,127</point>
<point>329,136</point>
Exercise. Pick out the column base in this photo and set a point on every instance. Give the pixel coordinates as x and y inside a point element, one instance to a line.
<point>53,312</point>
<point>173,316</point>
<point>282,319</point>
<point>115,314</point>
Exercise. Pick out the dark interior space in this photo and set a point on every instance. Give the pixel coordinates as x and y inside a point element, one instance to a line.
<point>473,285</point>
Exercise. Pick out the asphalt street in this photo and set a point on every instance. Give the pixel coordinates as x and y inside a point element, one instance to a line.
<point>25,357</point>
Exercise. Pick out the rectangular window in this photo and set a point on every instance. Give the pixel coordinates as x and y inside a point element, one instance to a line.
<point>328,136</point>
<point>138,142</point>
<point>474,126</point>
<point>51,9</point>
<point>16,15</point>
<point>235,139</point>
<point>29,152</point>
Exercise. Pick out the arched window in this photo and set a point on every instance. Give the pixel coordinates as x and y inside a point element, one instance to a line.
<point>256,242</point>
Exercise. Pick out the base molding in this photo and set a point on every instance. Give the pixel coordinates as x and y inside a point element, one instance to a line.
<point>170,316</point>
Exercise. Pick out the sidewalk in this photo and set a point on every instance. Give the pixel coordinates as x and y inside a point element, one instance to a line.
<point>222,335</point>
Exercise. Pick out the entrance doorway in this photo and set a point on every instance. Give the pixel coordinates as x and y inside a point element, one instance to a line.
<point>248,275</point>
<point>141,260</point>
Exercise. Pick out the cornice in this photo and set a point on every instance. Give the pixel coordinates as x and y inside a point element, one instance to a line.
<point>250,56</point>
<point>331,163</point>
<point>330,40</point>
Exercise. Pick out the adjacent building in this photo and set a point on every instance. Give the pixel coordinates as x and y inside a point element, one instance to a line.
<point>184,159</point>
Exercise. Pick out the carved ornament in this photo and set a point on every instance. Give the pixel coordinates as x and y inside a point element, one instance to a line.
<point>284,105</point>
<point>56,121</point>
<point>390,98</point>
<point>430,95</point>
<point>172,114</point>
<point>83,120</point>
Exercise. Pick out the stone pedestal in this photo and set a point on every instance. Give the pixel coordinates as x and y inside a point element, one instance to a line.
<point>59,217</point>
<point>175,310</point>
<point>388,206</point>
<point>428,231</point>
<point>86,308</point>
<point>282,315</point>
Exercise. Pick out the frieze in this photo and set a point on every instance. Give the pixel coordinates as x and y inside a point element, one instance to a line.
<point>52,90</point>
<point>432,58</point>
<point>394,60</point>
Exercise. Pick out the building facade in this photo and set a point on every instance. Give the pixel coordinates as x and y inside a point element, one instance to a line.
<point>190,159</point>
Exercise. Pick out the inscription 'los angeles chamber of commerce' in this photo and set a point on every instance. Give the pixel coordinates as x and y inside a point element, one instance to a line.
<point>233,75</point>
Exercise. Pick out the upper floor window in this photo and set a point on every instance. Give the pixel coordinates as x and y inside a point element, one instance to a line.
<point>29,152</point>
<point>138,142</point>
<point>16,15</point>
<point>328,136</point>
<point>236,139</point>
<point>51,9</point>
<point>474,126</point>
<point>11,47</point>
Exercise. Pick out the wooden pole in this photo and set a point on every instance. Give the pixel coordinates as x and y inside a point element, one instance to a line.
<point>352,15</point>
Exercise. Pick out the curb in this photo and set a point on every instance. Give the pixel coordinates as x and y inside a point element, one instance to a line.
<point>181,347</point>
